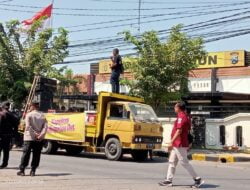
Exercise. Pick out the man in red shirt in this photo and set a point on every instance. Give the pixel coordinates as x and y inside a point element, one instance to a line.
<point>179,145</point>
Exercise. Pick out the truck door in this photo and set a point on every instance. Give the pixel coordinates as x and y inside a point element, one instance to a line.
<point>118,121</point>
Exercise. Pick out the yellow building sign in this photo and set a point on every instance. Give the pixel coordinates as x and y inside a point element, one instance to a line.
<point>222,59</point>
<point>212,60</point>
<point>104,66</point>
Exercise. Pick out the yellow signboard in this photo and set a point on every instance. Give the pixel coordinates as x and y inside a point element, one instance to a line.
<point>222,59</point>
<point>66,127</point>
<point>104,66</point>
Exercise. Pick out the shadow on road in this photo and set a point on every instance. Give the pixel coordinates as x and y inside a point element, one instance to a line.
<point>54,174</point>
<point>209,186</point>
<point>126,157</point>
<point>204,186</point>
<point>11,168</point>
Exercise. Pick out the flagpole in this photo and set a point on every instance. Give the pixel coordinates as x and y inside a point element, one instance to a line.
<point>51,22</point>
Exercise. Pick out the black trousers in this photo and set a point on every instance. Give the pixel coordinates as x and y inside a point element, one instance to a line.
<point>31,146</point>
<point>114,80</point>
<point>5,148</point>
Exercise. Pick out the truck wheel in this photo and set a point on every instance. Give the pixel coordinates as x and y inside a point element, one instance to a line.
<point>113,149</point>
<point>139,155</point>
<point>49,147</point>
<point>74,150</point>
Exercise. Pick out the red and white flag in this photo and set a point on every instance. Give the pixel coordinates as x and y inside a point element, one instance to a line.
<point>45,12</point>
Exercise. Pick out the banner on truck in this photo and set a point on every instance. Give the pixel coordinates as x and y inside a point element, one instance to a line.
<point>66,127</point>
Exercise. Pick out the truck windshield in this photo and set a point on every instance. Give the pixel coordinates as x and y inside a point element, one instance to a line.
<point>143,113</point>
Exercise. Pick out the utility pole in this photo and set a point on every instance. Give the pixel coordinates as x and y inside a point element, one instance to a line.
<point>139,16</point>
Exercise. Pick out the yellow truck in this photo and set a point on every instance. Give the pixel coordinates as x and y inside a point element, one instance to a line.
<point>121,125</point>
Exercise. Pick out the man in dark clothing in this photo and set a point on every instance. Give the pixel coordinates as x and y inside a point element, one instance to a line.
<point>116,68</point>
<point>8,128</point>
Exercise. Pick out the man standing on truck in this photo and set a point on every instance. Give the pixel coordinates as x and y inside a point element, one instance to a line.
<point>8,129</point>
<point>117,69</point>
<point>34,133</point>
<point>179,146</point>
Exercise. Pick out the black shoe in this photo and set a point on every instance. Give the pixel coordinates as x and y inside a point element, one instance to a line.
<point>166,183</point>
<point>32,173</point>
<point>21,173</point>
<point>3,166</point>
<point>198,182</point>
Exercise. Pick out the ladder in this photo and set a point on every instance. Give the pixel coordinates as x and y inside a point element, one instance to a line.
<point>31,95</point>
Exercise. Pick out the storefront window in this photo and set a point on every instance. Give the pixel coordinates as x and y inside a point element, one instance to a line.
<point>239,135</point>
<point>222,135</point>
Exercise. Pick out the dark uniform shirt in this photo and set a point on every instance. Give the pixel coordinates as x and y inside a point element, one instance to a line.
<point>118,61</point>
<point>8,123</point>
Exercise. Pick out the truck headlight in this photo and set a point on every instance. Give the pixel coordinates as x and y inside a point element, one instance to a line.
<point>140,139</point>
<point>137,127</point>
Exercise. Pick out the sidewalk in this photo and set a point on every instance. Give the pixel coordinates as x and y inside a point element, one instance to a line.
<point>218,156</point>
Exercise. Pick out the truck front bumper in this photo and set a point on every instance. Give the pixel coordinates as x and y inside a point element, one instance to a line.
<point>145,146</point>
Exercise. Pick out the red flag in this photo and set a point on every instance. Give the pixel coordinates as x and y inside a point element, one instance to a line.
<point>44,12</point>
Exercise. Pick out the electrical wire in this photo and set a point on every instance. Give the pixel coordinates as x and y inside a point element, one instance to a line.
<point>125,9</point>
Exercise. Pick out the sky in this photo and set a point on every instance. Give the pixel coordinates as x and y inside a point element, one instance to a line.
<point>94,20</point>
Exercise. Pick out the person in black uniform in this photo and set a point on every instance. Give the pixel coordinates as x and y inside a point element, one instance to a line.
<point>8,128</point>
<point>116,68</point>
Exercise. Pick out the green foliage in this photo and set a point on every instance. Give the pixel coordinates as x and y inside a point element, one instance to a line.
<point>161,69</point>
<point>23,55</point>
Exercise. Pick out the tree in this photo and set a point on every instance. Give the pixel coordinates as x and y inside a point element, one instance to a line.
<point>23,56</point>
<point>161,68</point>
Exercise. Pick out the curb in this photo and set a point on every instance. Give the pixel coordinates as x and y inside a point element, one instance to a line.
<point>224,158</point>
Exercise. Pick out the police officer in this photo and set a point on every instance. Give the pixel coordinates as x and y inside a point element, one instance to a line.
<point>35,131</point>
<point>8,128</point>
<point>116,68</point>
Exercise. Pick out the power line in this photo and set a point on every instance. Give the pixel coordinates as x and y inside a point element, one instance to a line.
<point>146,22</point>
<point>6,1</point>
<point>124,9</point>
<point>123,20</point>
<point>93,15</point>
<point>159,2</point>
<point>185,28</point>
<point>132,54</point>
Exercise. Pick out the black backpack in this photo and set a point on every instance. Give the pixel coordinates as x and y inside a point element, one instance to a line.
<point>190,137</point>
<point>121,64</point>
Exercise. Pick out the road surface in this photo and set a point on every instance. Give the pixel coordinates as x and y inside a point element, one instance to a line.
<point>94,172</point>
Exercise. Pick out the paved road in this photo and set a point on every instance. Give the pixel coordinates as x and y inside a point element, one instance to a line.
<point>96,173</point>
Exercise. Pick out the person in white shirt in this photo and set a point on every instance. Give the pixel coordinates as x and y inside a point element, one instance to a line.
<point>35,131</point>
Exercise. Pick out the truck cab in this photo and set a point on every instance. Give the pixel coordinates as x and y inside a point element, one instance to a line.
<point>130,126</point>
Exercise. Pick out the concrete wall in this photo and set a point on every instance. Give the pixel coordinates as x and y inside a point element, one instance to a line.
<point>167,124</point>
<point>106,86</point>
<point>230,123</point>
<point>213,131</point>
<point>234,84</point>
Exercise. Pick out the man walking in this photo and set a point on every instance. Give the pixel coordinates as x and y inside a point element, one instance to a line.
<point>35,130</point>
<point>179,145</point>
<point>117,69</point>
<point>8,129</point>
